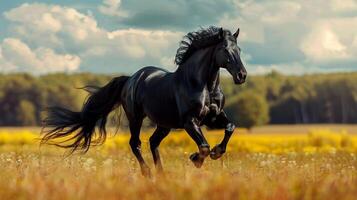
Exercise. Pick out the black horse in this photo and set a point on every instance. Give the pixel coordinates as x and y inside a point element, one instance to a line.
<point>187,98</point>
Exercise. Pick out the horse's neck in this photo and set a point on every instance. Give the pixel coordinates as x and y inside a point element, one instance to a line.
<point>201,68</point>
<point>213,81</point>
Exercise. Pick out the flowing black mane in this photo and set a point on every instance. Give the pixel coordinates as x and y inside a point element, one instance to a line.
<point>196,40</point>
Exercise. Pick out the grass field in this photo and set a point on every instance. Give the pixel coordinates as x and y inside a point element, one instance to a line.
<point>295,164</point>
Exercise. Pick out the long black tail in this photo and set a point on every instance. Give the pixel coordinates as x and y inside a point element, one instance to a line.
<point>62,122</point>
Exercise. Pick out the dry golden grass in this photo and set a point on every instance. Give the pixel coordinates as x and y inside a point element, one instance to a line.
<point>318,165</point>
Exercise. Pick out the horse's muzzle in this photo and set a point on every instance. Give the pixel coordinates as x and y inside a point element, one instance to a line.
<point>240,77</point>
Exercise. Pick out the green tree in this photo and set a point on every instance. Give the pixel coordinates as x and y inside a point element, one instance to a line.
<point>250,109</point>
<point>26,113</point>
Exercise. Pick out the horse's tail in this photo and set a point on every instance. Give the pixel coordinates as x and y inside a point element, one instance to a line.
<point>63,122</point>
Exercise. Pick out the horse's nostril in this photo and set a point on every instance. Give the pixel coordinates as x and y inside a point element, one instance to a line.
<point>241,75</point>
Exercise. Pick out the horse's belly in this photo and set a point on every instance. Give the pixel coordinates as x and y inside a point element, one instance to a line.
<point>163,113</point>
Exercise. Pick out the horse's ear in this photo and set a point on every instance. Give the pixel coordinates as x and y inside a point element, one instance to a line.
<point>236,33</point>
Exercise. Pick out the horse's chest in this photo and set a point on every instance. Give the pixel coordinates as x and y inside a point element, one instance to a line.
<point>192,103</point>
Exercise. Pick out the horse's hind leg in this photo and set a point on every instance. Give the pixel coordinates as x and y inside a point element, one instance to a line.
<point>135,145</point>
<point>155,140</point>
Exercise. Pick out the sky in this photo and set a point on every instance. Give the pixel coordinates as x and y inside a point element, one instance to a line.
<point>122,36</point>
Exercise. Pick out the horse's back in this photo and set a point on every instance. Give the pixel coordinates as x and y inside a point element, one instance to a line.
<point>149,76</point>
<point>150,91</point>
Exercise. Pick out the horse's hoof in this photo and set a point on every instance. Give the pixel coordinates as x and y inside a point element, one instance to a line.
<point>216,152</point>
<point>146,172</point>
<point>204,151</point>
<point>197,159</point>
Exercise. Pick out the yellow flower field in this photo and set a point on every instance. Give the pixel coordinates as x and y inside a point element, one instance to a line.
<point>318,165</point>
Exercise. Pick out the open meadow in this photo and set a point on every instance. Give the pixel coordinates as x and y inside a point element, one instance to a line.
<point>320,164</point>
<point>278,77</point>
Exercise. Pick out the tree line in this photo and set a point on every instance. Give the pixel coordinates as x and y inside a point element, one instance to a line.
<point>272,98</point>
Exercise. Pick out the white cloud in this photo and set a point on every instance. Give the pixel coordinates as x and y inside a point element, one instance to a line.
<point>5,66</point>
<point>253,18</point>
<point>168,63</point>
<point>70,31</point>
<point>281,34</point>
<point>321,33</point>
<point>112,8</point>
<point>249,32</point>
<point>331,40</point>
<point>272,12</point>
<point>283,12</point>
<point>323,45</point>
<point>17,56</point>
<point>36,22</point>
<point>342,6</point>
<point>139,43</point>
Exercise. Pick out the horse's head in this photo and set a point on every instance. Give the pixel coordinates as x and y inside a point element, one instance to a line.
<point>228,56</point>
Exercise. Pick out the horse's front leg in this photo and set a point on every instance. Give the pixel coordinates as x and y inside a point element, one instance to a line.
<point>192,128</point>
<point>222,121</point>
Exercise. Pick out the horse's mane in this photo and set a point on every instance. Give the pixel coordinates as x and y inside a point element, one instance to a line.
<point>196,40</point>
